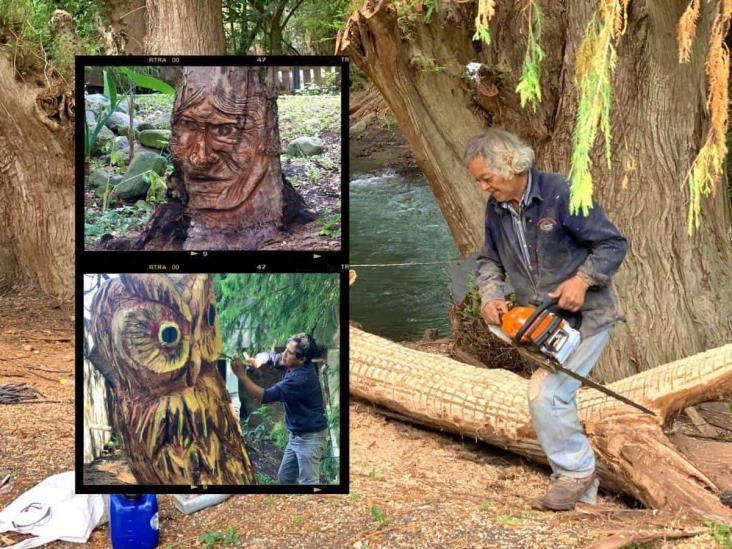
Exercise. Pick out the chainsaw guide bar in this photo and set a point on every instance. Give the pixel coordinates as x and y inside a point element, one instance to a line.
<point>547,340</point>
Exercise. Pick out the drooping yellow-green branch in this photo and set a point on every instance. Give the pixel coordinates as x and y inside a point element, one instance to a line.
<point>486,9</point>
<point>529,86</point>
<point>708,166</point>
<point>595,65</point>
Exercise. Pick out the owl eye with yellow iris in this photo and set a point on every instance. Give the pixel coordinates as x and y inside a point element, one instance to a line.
<point>169,334</point>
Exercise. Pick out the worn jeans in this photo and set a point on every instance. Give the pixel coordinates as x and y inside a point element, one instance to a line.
<point>553,406</point>
<point>301,460</point>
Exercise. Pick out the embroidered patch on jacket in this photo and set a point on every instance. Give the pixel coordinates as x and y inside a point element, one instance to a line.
<point>546,224</point>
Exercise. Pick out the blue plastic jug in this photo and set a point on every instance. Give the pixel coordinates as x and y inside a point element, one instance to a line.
<point>133,521</point>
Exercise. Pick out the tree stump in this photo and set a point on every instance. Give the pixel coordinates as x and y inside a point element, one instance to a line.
<point>227,191</point>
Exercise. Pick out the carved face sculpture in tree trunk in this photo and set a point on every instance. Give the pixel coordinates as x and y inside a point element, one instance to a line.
<point>156,340</point>
<point>225,146</point>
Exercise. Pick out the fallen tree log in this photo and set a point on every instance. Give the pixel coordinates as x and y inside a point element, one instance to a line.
<point>634,454</point>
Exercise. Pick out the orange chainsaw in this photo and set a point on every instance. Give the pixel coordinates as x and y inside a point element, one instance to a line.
<point>550,340</point>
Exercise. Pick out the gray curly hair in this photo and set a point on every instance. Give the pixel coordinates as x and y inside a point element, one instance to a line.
<point>505,154</point>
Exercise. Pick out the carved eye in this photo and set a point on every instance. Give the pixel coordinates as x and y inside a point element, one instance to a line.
<point>225,130</point>
<point>189,124</point>
<point>169,334</point>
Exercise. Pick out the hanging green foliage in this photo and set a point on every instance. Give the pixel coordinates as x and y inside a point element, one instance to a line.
<point>595,65</point>
<point>708,167</point>
<point>260,311</point>
<point>486,9</point>
<point>529,86</point>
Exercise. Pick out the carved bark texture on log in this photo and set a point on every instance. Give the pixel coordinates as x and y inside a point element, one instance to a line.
<point>634,455</point>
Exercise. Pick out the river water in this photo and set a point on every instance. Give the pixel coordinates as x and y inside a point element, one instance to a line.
<point>396,220</point>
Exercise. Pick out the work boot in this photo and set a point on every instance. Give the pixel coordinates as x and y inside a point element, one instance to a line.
<point>564,493</point>
<point>590,495</point>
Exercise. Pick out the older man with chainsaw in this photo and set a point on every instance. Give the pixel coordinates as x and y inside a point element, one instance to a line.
<point>551,257</point>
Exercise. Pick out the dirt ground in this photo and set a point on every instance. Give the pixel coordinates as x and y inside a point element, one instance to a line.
<point>409,487</point>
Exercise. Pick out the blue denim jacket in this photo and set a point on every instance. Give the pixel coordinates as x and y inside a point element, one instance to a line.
<point>560,245</point>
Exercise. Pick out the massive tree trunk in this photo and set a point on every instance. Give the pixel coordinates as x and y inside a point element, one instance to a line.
<point>675,289</point>
<point>37,183</point>
<point>634,455</point>
<point>191,27</point>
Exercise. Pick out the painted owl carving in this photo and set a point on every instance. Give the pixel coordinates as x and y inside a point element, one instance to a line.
<point>157,339</point>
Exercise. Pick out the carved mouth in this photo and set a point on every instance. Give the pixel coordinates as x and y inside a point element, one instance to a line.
<point>205,178</point>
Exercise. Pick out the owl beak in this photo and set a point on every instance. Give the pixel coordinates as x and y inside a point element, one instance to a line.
<point>195,366</point>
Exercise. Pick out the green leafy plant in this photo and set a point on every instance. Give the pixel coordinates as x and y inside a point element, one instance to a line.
<point>529,86</point>
<point>116,158</point>
<point>721,533</point>
<point>113,78</point>
<point>482,34</point>
<point>156,193</point>
<point>330,226</point>
<point>115,221</point>
<point>430,7</point>
<point>256,432</point>
<point>279,435</point>
<point>331,81</point>
<point>27,35</point>
<point>378,516</point>
<point>311,88</point>
<point>230,537</point>
<point>147,81</point>
<point>486,9</point>
<point>114,443</point>
<point>263,478</point>
<point>110,92</point>
<point>388,122</point>
<point>314,174</point>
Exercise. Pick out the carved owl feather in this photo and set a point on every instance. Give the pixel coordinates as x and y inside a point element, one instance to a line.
<point>156,340</point>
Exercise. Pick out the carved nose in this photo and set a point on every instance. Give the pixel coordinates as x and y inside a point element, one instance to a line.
<point>201,156</point>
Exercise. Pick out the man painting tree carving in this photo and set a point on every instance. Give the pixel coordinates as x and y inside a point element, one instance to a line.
<point>226,191</point>
<point>156,341</point>
<point>531,237</point>
<point>300,392</point>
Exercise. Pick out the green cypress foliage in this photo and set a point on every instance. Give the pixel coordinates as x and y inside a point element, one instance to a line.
<point>260,311</point>
<point>595,64</point>
<point>529,86</point>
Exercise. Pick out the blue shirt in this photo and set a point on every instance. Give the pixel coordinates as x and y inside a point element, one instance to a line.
<point>299,391</point>
<point>559,246</point>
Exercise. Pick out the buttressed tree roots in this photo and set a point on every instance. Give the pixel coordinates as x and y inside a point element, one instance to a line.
<point>634,454</point>
<point>156,340</point>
